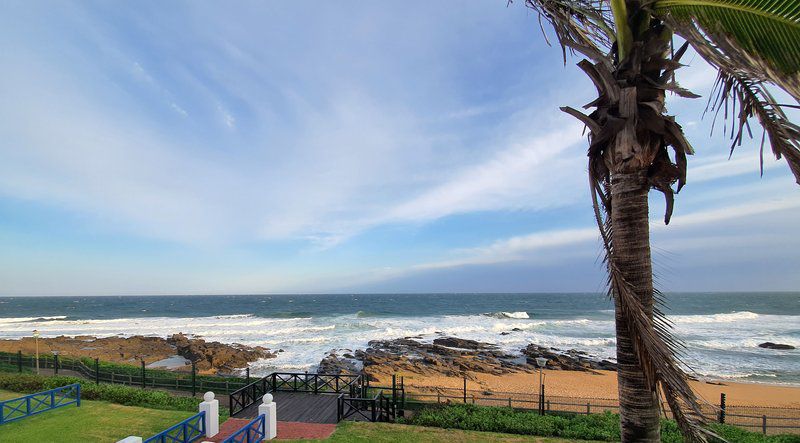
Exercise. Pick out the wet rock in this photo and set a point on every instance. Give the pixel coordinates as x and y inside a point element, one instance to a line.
<point>215,355</point>
<point>454,342</point>
<point>571,360</point>
<point>780,346</point>
<point>333,364</point>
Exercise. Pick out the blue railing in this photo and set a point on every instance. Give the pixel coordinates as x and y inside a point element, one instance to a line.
<point>22,407</point>
<point>255,431</point>
<point>186,431</point>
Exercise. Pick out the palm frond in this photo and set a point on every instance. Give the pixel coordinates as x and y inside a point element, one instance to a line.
<point>743,97</point>
<point>761,37</point>
<point>583,26</point>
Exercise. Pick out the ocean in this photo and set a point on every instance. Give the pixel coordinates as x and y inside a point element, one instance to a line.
<point>720,330</point>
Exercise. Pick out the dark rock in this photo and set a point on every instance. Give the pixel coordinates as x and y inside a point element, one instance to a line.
<point>770,345</point>
<point>571,360</point>
<point>216,355</point>
<point>333,364</point>
<point>461,343</point>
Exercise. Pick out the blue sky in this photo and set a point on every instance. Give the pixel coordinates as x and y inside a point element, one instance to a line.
<point>253,147</point>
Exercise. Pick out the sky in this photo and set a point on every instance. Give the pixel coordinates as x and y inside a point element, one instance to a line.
<point>298,147</point>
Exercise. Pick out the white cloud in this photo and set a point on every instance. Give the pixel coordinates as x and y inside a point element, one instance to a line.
<point>321,150</point>
<point>557,244</point>
<point>528,174</point>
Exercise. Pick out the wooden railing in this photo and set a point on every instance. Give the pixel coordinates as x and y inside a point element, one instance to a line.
<point>241,399</point>
<point>378,408</point>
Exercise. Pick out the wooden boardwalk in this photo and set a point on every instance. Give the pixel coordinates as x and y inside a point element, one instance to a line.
<point>299,407</point>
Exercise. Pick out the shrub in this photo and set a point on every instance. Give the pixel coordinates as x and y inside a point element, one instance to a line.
<point>603,427</point>
<point>124,395</point>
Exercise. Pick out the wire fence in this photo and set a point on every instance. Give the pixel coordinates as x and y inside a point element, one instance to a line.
<point>764,419</point>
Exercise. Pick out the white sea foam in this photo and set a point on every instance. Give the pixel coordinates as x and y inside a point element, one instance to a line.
<point>715,318</point>
<point>720,345</point>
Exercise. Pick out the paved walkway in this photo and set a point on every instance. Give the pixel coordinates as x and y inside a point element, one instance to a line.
<point>287,430</point>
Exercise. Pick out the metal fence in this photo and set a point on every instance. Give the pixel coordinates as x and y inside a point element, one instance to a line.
<point>142,377</point>
<point>18,408</point>
<point>187,431</point>
<point>253,432</point>
<point>767,420</point>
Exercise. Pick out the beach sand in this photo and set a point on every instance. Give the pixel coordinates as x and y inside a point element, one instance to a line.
<point>601,384</point>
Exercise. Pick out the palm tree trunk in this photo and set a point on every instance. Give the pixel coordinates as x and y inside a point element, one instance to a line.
<point>639,405</point>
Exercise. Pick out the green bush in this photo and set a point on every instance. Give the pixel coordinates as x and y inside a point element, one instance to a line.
<point>603,427</point>
<point>11,367</point>
<point>124,395</point>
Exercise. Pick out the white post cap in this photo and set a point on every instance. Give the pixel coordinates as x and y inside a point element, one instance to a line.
<point>267,399</point>
<point>208,396</point>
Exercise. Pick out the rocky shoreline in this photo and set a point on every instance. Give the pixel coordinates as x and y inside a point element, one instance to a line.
<point>175,352</point>
<point>454,357</point>
<point>445,356</point>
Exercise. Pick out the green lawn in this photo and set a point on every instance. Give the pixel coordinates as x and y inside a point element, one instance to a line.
<point>93,421</point>
<point>350,432</point>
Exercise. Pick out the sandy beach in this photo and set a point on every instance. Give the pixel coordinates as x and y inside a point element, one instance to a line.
<point>601,384</point>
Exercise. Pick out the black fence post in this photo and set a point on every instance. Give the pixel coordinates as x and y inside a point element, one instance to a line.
<point>194,379</point>
<point>394,389</point>
<point>55,364</point>
<point>247,375</point>
<point>541,401</point>
<point>465,389</point>
<point>143,378</point>
<point>764,424</point>
<point>19,361</point>
<point>722,407</point>
<point>403,396</point>
<point>97,371</point>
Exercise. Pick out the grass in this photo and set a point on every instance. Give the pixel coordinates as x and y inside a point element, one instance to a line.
<point>92,421</point>
<point>119,394</point>
<point>352,432</point>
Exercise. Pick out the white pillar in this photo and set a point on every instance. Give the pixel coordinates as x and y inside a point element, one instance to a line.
<point>211,408</point>
<point>131,439</point>
<point>268,408</point>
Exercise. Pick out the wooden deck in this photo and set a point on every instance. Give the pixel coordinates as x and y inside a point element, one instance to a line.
<point>299,407</point>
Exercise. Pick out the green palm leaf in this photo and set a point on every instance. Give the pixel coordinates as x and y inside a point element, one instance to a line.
<point>762,37</point>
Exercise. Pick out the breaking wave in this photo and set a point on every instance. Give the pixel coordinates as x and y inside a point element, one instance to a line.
<point>502,314</point>
<point>715,318</point>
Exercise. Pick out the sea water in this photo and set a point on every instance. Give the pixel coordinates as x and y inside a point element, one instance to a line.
<point>721,331</point>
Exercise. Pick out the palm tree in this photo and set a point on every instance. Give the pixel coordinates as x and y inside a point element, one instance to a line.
<point>632,63</point>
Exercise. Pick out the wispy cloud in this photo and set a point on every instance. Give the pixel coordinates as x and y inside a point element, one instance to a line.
<point>308,136</point>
